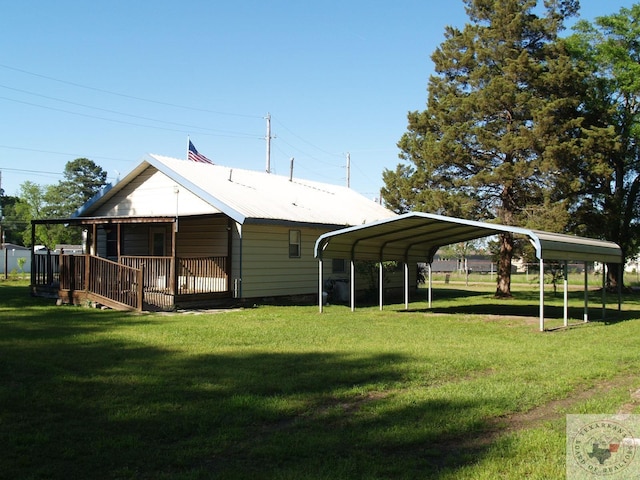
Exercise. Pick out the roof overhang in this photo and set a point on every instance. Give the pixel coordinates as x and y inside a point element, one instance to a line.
<point>419,235</point>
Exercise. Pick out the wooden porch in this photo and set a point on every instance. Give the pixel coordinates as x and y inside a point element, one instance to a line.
<point>133,282</point>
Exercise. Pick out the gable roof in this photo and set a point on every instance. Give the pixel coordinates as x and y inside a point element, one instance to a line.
<point>421,234</point>
<point>250,196</point>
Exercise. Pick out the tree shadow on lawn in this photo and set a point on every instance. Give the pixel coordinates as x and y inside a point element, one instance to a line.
<point>483,304</point>
<point>112,409</point>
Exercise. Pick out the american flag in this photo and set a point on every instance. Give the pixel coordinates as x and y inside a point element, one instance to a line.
<point>194,156</point>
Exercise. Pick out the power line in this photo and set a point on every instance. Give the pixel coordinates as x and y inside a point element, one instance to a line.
<point>123,95</point>
<point>77,155</point>
<point>306,141</point>
<point>122,122</point>
<point>117,112</point>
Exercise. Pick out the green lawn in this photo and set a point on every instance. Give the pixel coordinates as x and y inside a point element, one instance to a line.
<point>468,390</point>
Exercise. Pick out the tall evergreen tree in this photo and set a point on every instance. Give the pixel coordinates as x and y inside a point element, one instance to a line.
<point>500,120</point>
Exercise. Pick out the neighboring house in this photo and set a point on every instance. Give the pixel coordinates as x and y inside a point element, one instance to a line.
<point>199,233</point>
<point>14,259</point>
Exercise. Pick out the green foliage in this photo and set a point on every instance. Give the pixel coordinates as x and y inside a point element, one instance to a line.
<point>82,180</point>
<point>501,121</point>
<point>607,200</point>
<point>12,225</point>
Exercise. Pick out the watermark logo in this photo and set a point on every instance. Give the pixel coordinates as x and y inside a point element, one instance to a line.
<point>601,446</point>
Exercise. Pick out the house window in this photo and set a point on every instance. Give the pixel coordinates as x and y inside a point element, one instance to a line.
<point>157,236</point>
<point>338,265</point>
<point>294,243</point>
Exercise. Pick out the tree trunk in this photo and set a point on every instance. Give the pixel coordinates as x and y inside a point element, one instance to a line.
<point>613,270</point>
<point>503,289</point>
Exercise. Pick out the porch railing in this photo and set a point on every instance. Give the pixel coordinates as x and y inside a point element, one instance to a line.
<point>115,281</point>
<point>119,281</point>
<point>45,269</point>
<point>157,271</point>
<point>202,275</point>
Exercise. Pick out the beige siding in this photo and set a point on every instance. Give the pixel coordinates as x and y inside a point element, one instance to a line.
<point>202,237</point>
<point>154,194</point>
<point>267,269</point>
<point>136,240</point>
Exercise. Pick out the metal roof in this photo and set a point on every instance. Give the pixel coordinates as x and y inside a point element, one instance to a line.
<point>419,235</point>
<point>246,195</point>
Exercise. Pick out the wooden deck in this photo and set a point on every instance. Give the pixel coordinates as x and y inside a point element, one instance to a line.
<point>132,282</point>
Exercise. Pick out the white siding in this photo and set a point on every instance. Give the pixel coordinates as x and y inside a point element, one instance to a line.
<point>152,193</point>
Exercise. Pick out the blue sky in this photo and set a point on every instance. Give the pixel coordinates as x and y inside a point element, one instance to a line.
<point>115,80</point>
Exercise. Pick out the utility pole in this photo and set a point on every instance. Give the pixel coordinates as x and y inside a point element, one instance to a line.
<point>268,139</point>
<point>2,234</point>
<point>348,170</point>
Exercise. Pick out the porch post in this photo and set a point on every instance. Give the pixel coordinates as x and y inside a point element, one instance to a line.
<point>173,267</point>
<point>118,244</point>
<point>94,240</point>
<point>33,257</point>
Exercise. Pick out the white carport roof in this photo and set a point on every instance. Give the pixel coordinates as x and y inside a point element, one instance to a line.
<point>419,235</point>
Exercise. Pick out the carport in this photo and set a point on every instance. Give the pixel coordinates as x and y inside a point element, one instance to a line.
<point>416,237</point>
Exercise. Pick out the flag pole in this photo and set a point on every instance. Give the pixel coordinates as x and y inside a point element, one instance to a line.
<point>188,142</point>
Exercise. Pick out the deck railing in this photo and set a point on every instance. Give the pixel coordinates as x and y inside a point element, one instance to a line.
<point>72,273</point>
<point>115,281</point>
<point>45,269</point>
<point>157,271</point>
<point>119,281</point>
<point>202,275</point>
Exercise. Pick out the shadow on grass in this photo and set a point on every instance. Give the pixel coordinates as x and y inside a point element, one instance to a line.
<point>526,304</point>
<point>78,405</point>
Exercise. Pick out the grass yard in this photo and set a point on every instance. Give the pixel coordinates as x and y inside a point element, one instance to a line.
<point>468,390</point>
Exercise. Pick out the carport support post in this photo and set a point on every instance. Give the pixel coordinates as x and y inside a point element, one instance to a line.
<point>565,271</point>
<point>320,289</point>
<point>430,286</point>
<point>352,284</point>
<point>620,270</point>
<point>380,286</point>
<point>586,293</point>
<point>604,290</point>
<point>406,285</point>
<point>541,295</point>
